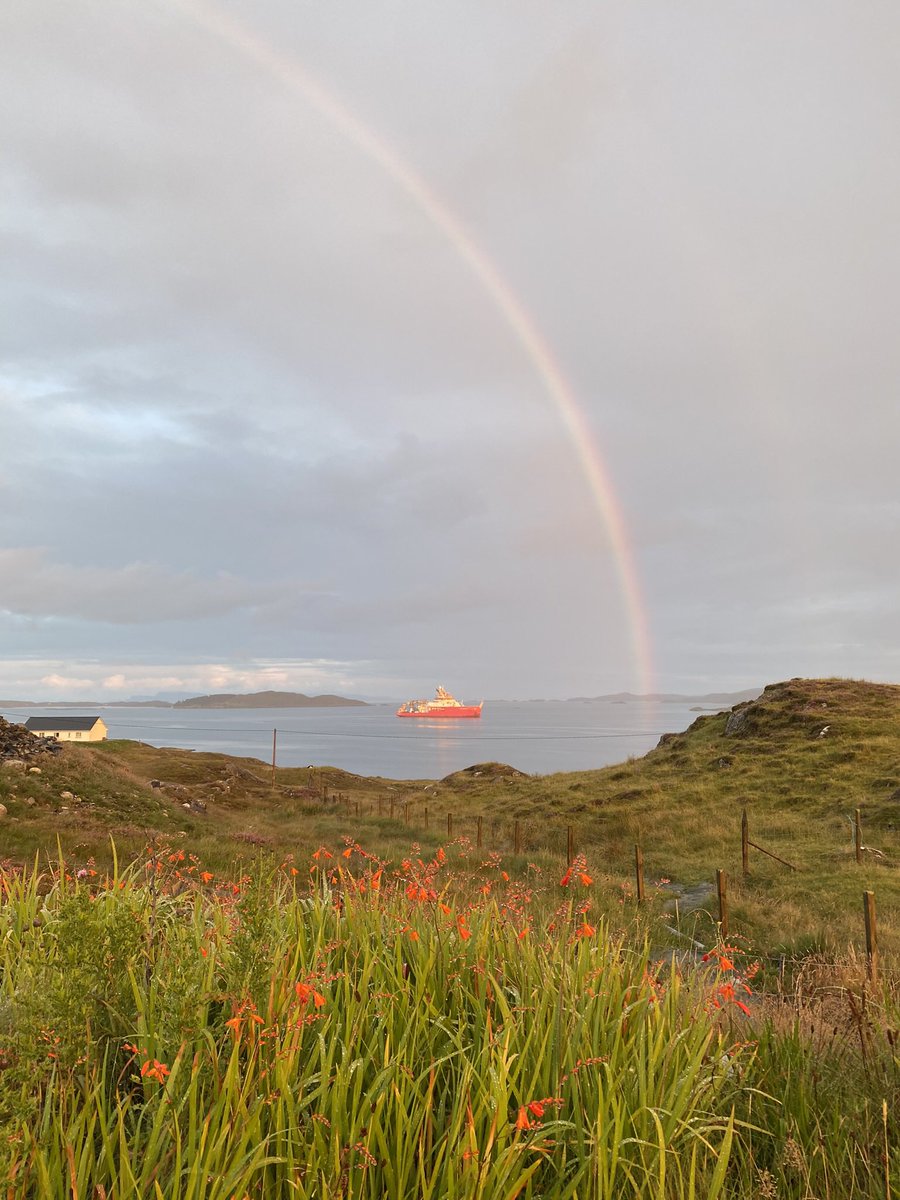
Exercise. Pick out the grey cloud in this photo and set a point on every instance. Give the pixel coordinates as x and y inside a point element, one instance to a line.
<point>244,356</point>
<point>138,593</point>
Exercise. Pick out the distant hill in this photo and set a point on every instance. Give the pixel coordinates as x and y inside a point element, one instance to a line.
<point>268,700</point>
<point>92,704</point>
<point>723,698</point>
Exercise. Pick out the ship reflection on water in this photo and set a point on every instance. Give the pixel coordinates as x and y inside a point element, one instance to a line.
<point>442,738</point>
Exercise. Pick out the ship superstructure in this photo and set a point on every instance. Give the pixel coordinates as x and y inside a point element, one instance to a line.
<point>443,705</point>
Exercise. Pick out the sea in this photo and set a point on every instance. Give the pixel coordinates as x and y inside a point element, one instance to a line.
<point>536,737</point>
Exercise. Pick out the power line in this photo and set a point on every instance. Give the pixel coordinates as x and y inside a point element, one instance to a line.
<point>314,733</point>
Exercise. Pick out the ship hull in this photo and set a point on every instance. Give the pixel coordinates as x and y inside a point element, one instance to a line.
<point>463,710</point>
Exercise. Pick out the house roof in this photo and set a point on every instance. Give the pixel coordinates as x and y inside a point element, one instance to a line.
<point>44,724</point>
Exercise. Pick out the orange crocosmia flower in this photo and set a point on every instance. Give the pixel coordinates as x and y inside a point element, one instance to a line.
<point>347,852</point>
<point>412,892</point>
<point>523,934</point>
<point>203,951</point>
<point>441,856</point>
<point>743,1007</point>
<point>585,879</point>
<point>536,1109</point>
<point>234,1023</point>
<point>446,909</point>
<point>206,876</point>
<point>304,992</point>
<point>585,930</point>
<point>725,964</point>
<point>504,877</point>
<point>726,991</point>
<point>376,880</point>
<point>294,871</point>
<point>522,1120</point>
<point>564,882</point>
<point>486,890</point>
<point>154,1069</point>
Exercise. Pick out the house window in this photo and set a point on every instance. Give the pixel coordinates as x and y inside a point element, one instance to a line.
<point>78,733</point>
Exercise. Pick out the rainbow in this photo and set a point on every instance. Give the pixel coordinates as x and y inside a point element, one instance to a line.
<point>534,345</point>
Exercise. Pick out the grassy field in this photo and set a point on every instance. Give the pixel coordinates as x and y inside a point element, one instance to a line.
<point>286,991</point>
<point>339,1027</point>
<point>682,803</point>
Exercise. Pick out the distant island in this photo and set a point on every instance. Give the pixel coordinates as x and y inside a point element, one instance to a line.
<point>724,698</point>
<point>268,700</point>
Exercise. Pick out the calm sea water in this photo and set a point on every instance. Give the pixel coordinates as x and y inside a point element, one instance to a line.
<point>537,737</point>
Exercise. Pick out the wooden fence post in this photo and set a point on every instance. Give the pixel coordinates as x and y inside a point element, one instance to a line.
<point>570,845</point>
<point>722,890</point>
<point>745,843</point>
<point>871,936</point>
<point>857,836</point>
<point>478,834</point>
<point>639,872</point>
<point>425,816</point>
<point>517,838</point>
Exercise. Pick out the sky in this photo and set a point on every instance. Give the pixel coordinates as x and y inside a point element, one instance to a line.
<point>536,350</point>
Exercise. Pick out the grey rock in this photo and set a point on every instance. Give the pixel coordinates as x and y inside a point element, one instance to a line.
<point>736,722</point>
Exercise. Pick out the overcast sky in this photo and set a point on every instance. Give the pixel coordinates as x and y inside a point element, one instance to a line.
<point>264,421</point>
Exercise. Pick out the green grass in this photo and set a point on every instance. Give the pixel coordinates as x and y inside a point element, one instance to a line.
<point>682,803</point>
<point>440,1024</point>
<point>357,1030</point>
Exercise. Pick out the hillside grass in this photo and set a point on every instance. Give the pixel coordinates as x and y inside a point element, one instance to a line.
<point>216,988</point>
<point>682,803</point>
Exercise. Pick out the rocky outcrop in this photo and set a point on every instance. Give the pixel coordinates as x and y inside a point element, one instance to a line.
<point>17,744</point>
<point>738,720</point>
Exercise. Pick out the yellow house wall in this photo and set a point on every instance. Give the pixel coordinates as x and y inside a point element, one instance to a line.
<point>98,733</point>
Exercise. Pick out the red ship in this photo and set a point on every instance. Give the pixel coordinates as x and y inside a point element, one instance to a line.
<point>443,705</point>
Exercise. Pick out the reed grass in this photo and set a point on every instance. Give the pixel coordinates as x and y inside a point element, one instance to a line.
<point>347,1027</point>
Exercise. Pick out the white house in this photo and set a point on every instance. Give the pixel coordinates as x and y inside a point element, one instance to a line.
<point>68,729</point>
